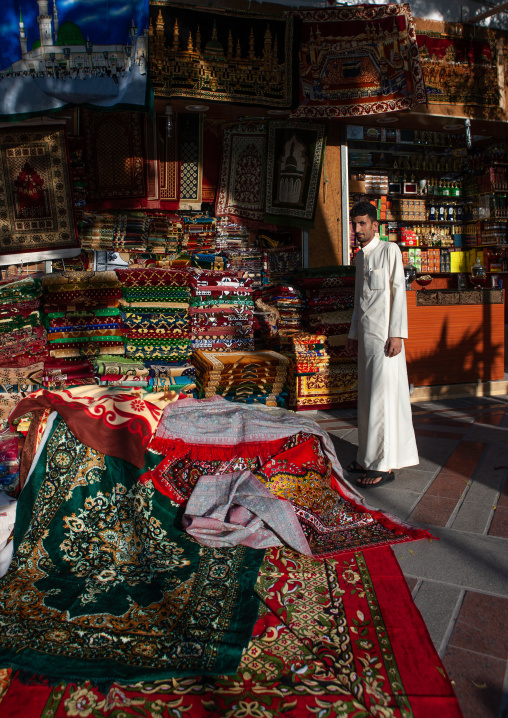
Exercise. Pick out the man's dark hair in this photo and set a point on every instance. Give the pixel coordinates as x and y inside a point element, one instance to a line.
<point>362,208</point>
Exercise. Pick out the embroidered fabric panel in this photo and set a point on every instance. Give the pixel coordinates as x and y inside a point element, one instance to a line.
<point>359,60</point>
<point>36,207</point>
<point>295,152</point>
<point>243,172</point>
<point>228,56</point>
<point>103,586</point>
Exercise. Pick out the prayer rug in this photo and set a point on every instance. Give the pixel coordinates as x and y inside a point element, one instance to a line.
<point>335,637</point>
<point>168,163</point>
<point>102,585</point>
<point>190,133</point>
<point>229,55</point>
<point>358,61</point>
<point>37,211</point>
<point>459,69</point>
<point>243,172</point>
<point>295,153</point>
<point>114,156</point>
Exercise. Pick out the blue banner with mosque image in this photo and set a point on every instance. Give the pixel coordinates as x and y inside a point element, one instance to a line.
<point>58,53</point>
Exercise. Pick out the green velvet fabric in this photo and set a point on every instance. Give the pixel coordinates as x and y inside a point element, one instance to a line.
<point>105,586</point>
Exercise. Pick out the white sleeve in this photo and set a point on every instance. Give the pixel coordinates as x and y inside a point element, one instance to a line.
<point>353,329</point>
<point>398,305</point>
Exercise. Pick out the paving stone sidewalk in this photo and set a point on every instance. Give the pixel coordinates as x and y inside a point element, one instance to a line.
<point>459,492</point>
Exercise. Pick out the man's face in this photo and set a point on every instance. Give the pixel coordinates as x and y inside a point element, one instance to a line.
<point>364,228</point>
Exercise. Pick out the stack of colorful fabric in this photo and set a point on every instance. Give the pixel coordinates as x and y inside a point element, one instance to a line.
<point>165,235</point>
<point>121,233</point>
<point>82,316</point>
<point>155,319</point>
<point>323,375</point>
<point>247,377</point>
<point>199,234</point>
<point>290,304</point>
<point>61,373</point>
<point>23,345</point>
<point>231,237</point>
<point>221,311</point>
<point>280,263</point>
<point>9,466</point>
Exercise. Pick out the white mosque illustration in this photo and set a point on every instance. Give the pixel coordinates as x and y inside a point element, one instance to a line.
<point>63,48</point>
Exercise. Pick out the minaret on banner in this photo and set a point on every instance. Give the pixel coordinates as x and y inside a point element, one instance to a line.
<point>22,34</point>
<point>55,21</point>
<point>44,21</point>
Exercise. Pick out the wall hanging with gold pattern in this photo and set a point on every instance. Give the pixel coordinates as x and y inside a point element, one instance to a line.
<point>358,61</point>
<point>221,55</point>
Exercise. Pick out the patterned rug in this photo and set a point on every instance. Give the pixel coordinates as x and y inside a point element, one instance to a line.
<point>358,61</point>
<point>114,154</point>
<point>225,56</point>
<point>168,164</point>
<point>333,638</point>
<point>243,172</point>
<point>295,154</point>
<point>36,207</point>
<point>102,585</point>
<point>459,69</point>
<point>190,142</point>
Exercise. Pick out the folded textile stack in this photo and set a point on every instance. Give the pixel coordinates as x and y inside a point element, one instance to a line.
<point>165,235</point>
<point>199,235</point>
<point>221,311</point>
<point>61,373</point>
<point>122,232</point>
<point>249,261</point>
<point>9,463</point>
<point>290,304</point>
<point>15,383</point>
<point>82,316</point>
<point>280,263</point>
<point>247,377</point>
<point>209,261</point>
<point>231,237</point>
<point>155,314</point>
<point>322,375</point>
<point>22,336</point>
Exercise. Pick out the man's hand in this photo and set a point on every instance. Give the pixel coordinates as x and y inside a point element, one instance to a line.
<point>352,346</point>
<point>393,346</point>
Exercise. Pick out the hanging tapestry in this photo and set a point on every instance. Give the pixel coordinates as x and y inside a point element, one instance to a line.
<point>190,142</point>
<point>243,171</point>
<point>168,163</point>
<point>46,63</point>
<point>103,586</point>
<point>36,207</point>
<point>358,61</point>
<point>228,55</point>
<point>212,130</point>
<point>335,638</point>
<point>459,69</point>
<point>114,156</point>
<point>294,158</point>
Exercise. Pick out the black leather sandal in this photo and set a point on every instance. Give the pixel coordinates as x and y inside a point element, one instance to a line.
<point>354,467</point>
<point>385,477</point>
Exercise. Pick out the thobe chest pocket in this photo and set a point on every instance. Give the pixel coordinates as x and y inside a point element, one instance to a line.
<point>377,278</point>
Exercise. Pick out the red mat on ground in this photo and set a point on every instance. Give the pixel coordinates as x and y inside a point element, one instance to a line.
<point>335,637</point>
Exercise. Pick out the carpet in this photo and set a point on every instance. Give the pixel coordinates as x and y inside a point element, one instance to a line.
<point>358,61</point>
<point>459,69</point>
<point>168,164</point>
<point>114,152</point>
<point>102,585</point>
<point>295,153</point>
<point>223,55</point>
<point>36,206</point>
<point>242,178</point>
<point>340,637</point>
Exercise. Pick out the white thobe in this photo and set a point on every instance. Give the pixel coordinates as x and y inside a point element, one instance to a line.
<point>386,438</point>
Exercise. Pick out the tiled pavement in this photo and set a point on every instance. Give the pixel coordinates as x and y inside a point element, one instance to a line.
<point>459,492</point>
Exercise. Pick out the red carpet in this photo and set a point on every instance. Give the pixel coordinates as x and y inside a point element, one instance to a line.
<point>335,637</point>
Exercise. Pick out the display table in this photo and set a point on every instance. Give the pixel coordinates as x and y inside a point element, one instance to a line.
<point>455,337</point>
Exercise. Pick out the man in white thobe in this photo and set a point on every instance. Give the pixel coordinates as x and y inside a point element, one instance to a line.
<point>386,439</point>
